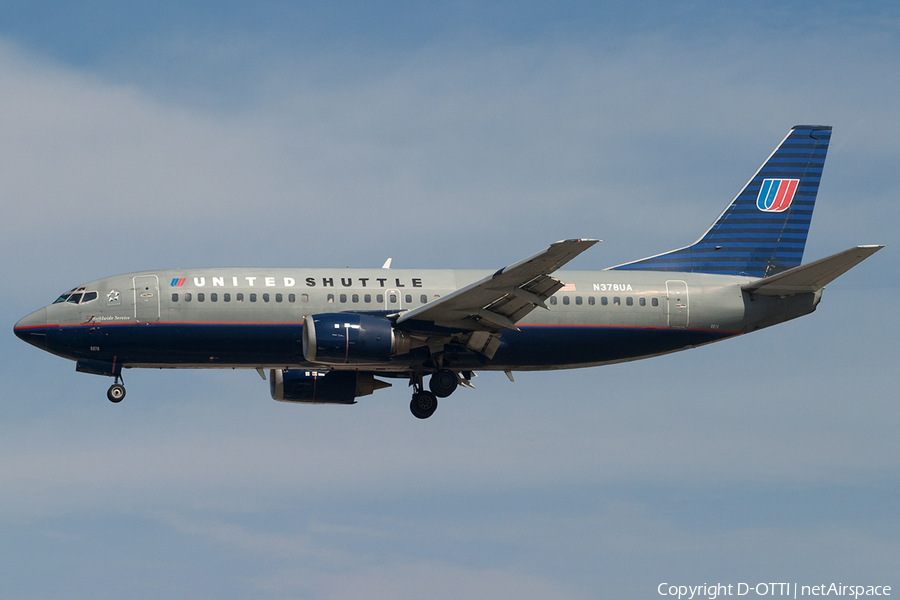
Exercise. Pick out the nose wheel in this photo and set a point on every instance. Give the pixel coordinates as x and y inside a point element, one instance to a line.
<point>116,392</point>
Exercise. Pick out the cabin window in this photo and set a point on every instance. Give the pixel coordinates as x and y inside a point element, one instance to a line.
<point>304,297</point>
<point>604,300</point>
<point>354,298</point>
<point>379,298</point>
<point>617,301</point>
<point>292,297</point>
<point>578,300</point>
<point>654,302</point>
<point>629,301</point>
<point>226,297</point>
<point>187,297</point>
<point>279,298</point>
<point>566,300</point>
<point>174,297</point>
<point>201,296</point>
<point>423,298</point>
<point>343,298</point>
<point>252,297</point>
<point>266,297</point>
<point>642,301</point>
<point>393,298</point>
<point>436,296</point>
<point>239,297</point>
<point>213,297</point>
<point>329,299</point>
<point>367,298</point>
<point>553,300</point>
<point>591,300</point>
<point>409,298</point>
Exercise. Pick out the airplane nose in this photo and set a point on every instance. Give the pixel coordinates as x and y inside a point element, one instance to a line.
<point>30,326</point>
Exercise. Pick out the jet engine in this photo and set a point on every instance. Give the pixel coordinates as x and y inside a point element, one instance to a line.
<point>321,387</point>
<point>347,338</point>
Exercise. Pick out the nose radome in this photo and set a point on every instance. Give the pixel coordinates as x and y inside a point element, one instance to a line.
<point>31,325</point>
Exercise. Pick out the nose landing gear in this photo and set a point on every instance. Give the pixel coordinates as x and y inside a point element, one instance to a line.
<point>116,392</point>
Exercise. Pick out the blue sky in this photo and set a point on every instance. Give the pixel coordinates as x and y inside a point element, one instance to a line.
<point>444,135</point>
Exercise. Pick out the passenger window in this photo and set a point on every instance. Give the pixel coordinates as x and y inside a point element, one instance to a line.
<point>201,297</point>
<point>379,298</point>
<point>239,297</point>
<point>278,297</point>
<point>423,298</point>
<point>553,300</point>
<point>629,301</point>
<point>654,302</point>
<point>329,299</point>
<point>393,298</point>
<point>343,298</point>
<point>591,300</point>
<point>187,297</point>
<point>409,298</point>
<point>642,301</point>
<point>213,297</point>
<point>566,300</point>
<point>304,297</point>
<point>292,297</point>
<point>354,298</point>
<point>436,296</point>
<point>604,301</point>
<point>174,297</point>
<point>226,297</point>
<point>578,300</point>
<point>367,298</point>
<point>617,301</point>
<point>252,297</point>
<point>265,297</point>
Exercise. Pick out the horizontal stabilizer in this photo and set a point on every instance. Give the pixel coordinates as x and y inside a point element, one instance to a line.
<point>813,276</point>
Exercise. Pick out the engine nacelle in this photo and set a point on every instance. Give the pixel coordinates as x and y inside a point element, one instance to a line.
<point>347,338</point>
<point>321,387</point>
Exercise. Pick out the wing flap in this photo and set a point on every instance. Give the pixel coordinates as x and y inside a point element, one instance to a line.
<point>813,276</point>
<point>498,301</point>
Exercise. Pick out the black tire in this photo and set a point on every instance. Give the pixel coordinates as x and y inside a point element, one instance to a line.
<point>116,393</point>
<point>443,383</point>
<point>423,405</point>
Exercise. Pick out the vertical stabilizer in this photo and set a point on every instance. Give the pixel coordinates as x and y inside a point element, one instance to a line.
<point>763,231</point>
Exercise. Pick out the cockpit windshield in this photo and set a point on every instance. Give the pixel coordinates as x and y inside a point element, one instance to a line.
<point>76,296</point>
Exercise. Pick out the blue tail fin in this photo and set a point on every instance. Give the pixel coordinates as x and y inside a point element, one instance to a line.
<point>763,231</point>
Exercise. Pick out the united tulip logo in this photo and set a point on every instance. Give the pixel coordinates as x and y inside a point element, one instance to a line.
<point>776,195</point>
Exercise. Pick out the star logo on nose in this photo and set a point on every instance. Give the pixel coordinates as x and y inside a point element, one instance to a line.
<point>112,297</point>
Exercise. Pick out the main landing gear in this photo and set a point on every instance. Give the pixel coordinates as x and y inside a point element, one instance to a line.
<point>443,382</point>
<point>116,392</point>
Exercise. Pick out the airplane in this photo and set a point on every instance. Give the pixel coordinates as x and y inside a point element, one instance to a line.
<point>330,336</point>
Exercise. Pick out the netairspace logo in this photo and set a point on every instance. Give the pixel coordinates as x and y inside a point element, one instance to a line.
<point>771,589</point>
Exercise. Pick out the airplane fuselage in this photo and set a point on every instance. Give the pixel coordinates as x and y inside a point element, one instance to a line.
<point>253,318</point>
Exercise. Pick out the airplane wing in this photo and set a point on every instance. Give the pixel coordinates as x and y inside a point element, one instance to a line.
<point>813,276</point>
<point>498,301</point>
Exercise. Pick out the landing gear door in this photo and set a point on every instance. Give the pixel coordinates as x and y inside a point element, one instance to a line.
<point>146,299</point>
<point>677,305</point>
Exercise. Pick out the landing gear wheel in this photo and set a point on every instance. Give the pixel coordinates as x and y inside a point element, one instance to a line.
<point>116,392</point>
<point>423,405</point>
<point>443,383</point>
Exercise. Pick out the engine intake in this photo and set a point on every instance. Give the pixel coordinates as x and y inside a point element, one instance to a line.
<point>321,387</point>
<point>347,338</point>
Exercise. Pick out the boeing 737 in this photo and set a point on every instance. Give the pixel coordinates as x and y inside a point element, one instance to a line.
<point>332,335</point>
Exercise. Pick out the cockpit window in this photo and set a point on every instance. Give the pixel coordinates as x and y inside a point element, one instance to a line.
<point>75,296</point>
